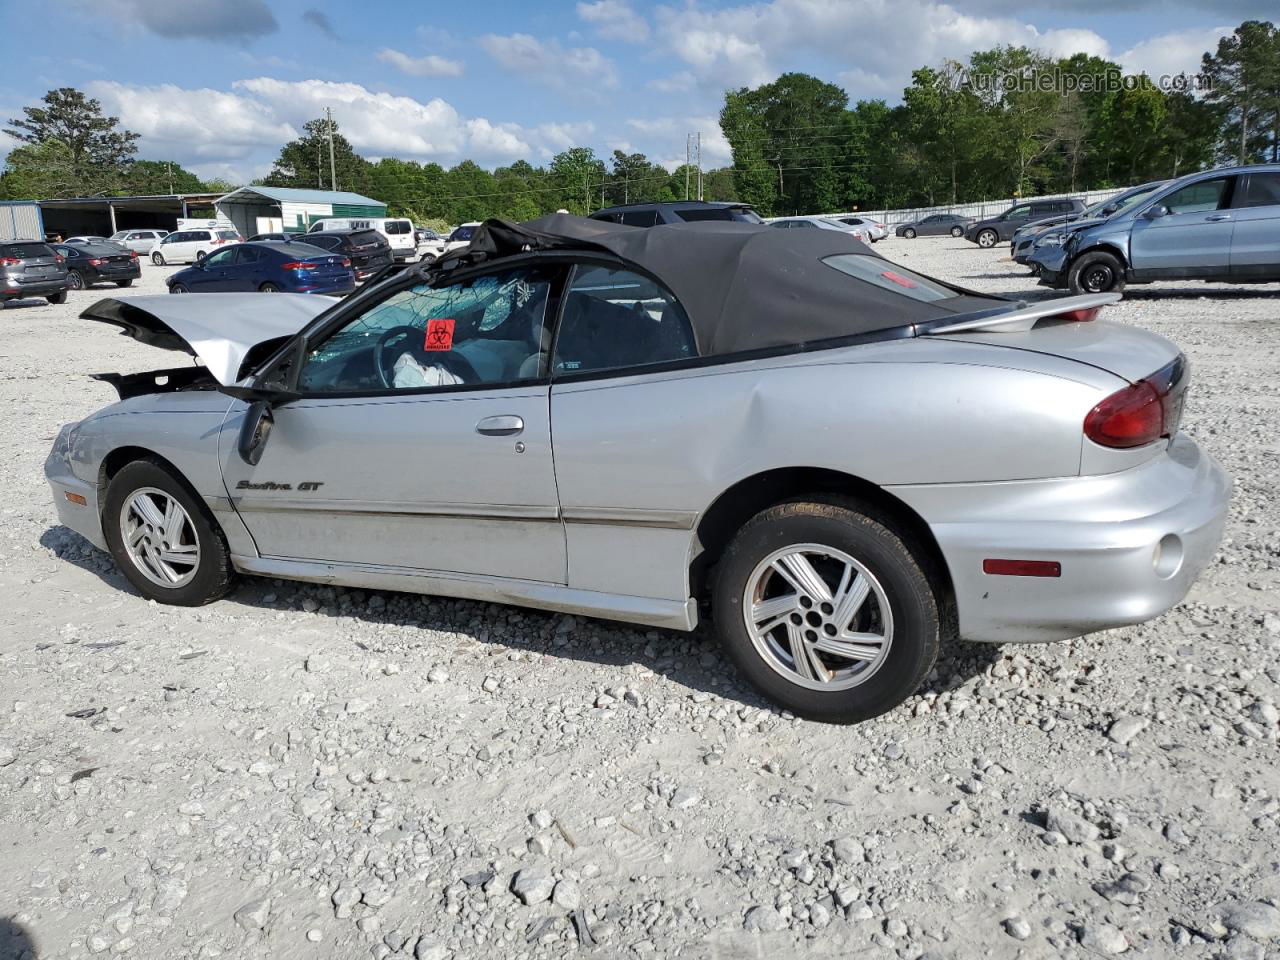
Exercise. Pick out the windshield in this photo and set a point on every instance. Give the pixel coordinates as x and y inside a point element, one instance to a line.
<point>1123,204</point>
<point>119,234</point>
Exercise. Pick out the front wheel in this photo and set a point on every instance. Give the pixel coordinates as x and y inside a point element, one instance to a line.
<point>163,539</point>
<point>268,288</point>
<point>988,238</point>
<point>957,232</point>
<point>1098,272</point>
<point>826,611</point>
<point>158,258</point>
<point>909,233</point>
<point>178,288</point>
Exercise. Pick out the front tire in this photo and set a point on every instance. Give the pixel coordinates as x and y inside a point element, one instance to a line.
<point>178,288</point>
<point>909,233</point>
<point>75,280</point>
<point>957,232</point>
<point>268,288</point>
<point>1098,272</point>
<point>158,258</point>
<point>988,238</point>
<point>162,538</point>
<point>826,611</point>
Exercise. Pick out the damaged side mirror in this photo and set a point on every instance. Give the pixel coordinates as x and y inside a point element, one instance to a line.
<point>254,431</point>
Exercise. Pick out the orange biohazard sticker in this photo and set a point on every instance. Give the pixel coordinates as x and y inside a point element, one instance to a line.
<point>899,279</point>
<point>439,334</point>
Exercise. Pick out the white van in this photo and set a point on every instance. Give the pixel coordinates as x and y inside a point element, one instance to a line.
<point>397,230</point>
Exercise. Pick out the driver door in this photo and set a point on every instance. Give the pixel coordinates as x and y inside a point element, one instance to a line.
<point>213,273</point>
<point>422,440</point>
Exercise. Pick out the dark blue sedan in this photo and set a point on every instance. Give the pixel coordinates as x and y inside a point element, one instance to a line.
<point>268,267</point>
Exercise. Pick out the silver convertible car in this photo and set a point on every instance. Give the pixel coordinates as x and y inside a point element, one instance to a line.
<point>839,462</point>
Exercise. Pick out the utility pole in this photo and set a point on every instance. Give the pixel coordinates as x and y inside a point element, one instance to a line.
<point>686,166</point>
<point>699,156</point>
<point>333,173</point>
<point>169,168</point>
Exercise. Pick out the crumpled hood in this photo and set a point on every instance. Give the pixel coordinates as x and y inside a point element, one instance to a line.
<point>218,328</point>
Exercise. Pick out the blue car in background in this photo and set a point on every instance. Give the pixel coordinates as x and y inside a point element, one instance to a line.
<point>268,267</point>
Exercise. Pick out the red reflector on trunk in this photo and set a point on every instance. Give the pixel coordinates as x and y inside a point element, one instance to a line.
<point>1078,316</point>
<point>1022,568</point>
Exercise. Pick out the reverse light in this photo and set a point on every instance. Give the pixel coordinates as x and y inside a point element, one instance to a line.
<point>1022,568</point>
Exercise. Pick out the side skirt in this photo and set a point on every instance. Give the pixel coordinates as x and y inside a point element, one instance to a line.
<point>647,611</point>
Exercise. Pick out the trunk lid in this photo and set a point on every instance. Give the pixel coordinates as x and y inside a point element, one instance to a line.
<point>1128,352</point>
<point>218,328</point>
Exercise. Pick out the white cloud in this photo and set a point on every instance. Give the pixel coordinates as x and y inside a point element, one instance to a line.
<point>665,137</point>
<point>1172,53</point>
<point>428,66</point>
<point>583,69</point>
<point>615,20</point>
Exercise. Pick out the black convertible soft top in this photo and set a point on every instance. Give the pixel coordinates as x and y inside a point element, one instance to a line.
<point>744,286</point>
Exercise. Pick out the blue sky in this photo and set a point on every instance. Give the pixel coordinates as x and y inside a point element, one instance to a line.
<point>219,85</point>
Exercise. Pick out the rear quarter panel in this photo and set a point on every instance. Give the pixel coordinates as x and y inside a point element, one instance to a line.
<point>665,446</point>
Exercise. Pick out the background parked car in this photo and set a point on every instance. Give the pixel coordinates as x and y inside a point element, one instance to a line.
<point>272,267</point>
<point>989,232</point>
<point>1026,237</point>
<point>1221,225</point>
<point>188,246</point>
<point>935,225</point>
<point>461,236</point>
<point>88,239</point>
<point>30,268</point>
<point>678,211</point>
<point>820,223</point>
<point>397,231</point>
<point>139,241</point>
<point>431,246</point>
<point>273,237</point>
<point>875,229</point>
<point>367,250</point>
<point>90,263</point>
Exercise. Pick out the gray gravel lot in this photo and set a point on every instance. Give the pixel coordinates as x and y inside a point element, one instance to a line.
<point>300,771</point>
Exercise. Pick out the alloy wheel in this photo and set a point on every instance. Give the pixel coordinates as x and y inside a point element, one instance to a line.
<point>818,617</point>
<point>159,537</point>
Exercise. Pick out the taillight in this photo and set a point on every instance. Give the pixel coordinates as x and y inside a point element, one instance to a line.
<point>346,261</point>
<point>1142,412</point>
<point>133,254</point>
<point>9,261</point>
<point>299,265</point>
<point>59,259</point>
<point>96,263</point>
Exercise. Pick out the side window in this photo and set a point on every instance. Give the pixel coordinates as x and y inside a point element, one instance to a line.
<point>1018,213</point>
<point>615,318</point>
<point>640,218</point>
<point>1262,190</point>
<point>246,255</point>
<point>1201,197</point>
<point>489,330</point>
<point>223,258</point>
<point>67,253</point>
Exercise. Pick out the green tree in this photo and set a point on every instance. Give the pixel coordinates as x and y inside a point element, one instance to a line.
<point>37,171</point>
<point>148,177</point>
<point>98,149</point>
<point>305,162</point>
<point>1244,77</point>
<point>577,175</point>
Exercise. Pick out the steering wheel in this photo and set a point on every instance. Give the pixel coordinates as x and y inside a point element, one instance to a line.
<point>451,361</point>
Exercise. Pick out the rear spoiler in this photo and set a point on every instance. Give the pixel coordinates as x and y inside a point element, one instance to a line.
<point>1022,317</point>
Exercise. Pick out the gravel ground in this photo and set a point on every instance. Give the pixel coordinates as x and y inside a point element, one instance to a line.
<point>301,771</point>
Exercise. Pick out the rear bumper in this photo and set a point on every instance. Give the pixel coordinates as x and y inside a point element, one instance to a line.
<point>1130,544</point>
<point>35,289</point>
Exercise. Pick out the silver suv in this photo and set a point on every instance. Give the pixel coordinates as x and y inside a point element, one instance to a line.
<point>1221,225</point>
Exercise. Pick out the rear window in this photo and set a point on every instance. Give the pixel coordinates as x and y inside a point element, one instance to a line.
<point>397,227</point>
<point>462,233</point>
<point>25,251</point>
<point>361,237</point>
<point>889,276</point>
<point>228,235</point>
<point>737,214</point>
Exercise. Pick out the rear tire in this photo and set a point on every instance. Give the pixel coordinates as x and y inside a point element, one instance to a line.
<point>1097,272</point>
<point>59,297</point>
<point>909,233</point>
<point>897,605</point>
<point>200,255</point>
<point>268,288</point>
<point>178,288</point>
<point>158,258</point>
<point>124,283</point>
<point>202,574</point>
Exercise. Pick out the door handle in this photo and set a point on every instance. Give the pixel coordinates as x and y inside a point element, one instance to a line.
<point>502,426</point>
<point>1218,216</point>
